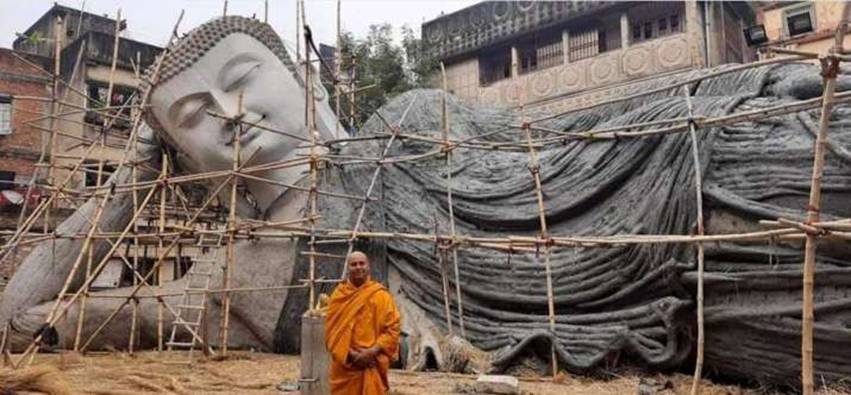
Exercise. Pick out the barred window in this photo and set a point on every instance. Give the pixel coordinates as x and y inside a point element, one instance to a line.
<point>584,44</point>
<point>5,114</point>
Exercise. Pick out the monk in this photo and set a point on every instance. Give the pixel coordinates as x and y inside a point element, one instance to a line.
<point>361,332</point>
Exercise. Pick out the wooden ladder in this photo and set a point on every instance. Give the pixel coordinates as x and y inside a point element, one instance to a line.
<point>193,304</point>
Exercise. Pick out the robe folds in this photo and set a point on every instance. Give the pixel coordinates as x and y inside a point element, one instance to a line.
<point>359,318</point>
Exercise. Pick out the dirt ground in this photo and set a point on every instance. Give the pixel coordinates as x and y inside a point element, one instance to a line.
<point>256,373</point>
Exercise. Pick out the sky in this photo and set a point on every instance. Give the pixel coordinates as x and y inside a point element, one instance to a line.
<point>151,21</point>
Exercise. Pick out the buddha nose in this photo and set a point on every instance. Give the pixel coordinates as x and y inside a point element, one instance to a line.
<point>228,103</point>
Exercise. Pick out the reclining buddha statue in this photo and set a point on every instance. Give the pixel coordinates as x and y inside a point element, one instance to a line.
<point>632,304</point>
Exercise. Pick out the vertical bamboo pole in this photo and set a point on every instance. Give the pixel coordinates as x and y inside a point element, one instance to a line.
<point>159,324</point>
<point>440,254</point>
<point>134,313</point>
<point>54,109</point>
<point>338,60</point>
<point>535,167</point>
<point>830,69</point>
<point>3,341</point>
<point>134,175</point>
<point>101,147</point>
<point>310,126</point>
<point>698,186</point>
<point>232,228</point>
<point>161,244</point>
<point>352,87</point>
<point>297,33</point>
<point>449,150</point>
<point>161,219</point>
<point>81,317</point>
<point>265,11</point>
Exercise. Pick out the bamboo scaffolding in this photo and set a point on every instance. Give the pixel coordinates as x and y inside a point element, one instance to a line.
<point>535,169</point>
<point>96,222</point>
<point>698,189</point>
<point>338,60</point>
<point>362,210</point>
<point>310,126</point>
<point>449,150</point>
<point>53,316</point>
<point>135,267</point>
<point>830,69</point>
<point>37,173</point>
<point>48,203</point>
<point>54,109</point>
<point>166,235</point>
<point>231,227</point>
<point>440,255</point>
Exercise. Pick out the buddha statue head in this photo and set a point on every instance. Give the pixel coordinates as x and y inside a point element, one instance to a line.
<point>232,65</point>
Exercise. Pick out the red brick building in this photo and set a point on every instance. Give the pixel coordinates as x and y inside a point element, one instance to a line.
<point>20,141</point>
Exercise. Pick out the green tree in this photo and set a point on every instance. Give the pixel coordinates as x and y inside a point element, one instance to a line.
<point>382,68</point>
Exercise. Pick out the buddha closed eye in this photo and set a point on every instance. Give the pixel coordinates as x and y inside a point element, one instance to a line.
<point>234,76</point>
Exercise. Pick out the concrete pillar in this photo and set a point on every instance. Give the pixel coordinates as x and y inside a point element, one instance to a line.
<point>694,31</point>
<point>315,361</point>
<point>565,46</point>
<point>625,32</point>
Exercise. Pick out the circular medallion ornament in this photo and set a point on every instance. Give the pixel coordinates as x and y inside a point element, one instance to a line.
<point>501,10</point>
<point>435,35</point>
<point>511,93</point>
<point>543,83</point>
<point>477,17</point>
<point>525,6</point>
<point>673,53</point>
<point>455,25</point>
<point>636,61</point>
<point>571,78</point>
<point>603,69</point>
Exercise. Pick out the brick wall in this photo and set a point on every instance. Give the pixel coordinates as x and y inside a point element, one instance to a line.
<point>20,150</point>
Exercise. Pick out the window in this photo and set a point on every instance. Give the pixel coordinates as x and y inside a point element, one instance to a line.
<point>494,66</point>
<point>91,169</point>
<point>655,20</point>
<point>542,51</point>
<point>7,180</point>
<point>799,20</point>
<point>675,24</point>
<point>584,44</point>
<point>5,114</point>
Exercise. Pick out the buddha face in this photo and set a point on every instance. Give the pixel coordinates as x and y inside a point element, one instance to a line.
<point>237,65</point>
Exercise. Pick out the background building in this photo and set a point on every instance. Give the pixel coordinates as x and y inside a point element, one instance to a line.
<point>20,142</point>
<point>85,46</point>
<point>565,54</point>
<point>85,50</point>
<point>802,25</point>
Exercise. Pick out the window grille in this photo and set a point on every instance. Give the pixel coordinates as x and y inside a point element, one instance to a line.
<point>5,115</point>
<point>584,44</point>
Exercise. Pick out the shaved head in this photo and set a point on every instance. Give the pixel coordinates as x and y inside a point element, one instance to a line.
<point>358,265</point>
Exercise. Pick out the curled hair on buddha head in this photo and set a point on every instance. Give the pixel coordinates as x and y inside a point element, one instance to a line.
<point>184,52</point>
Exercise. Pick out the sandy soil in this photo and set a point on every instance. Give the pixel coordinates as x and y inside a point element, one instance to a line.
<point>255,373</point>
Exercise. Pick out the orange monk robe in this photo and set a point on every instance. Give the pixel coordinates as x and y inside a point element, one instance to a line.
<point>360,318</point>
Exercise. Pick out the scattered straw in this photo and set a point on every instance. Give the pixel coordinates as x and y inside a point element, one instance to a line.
<point>39,379</point>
